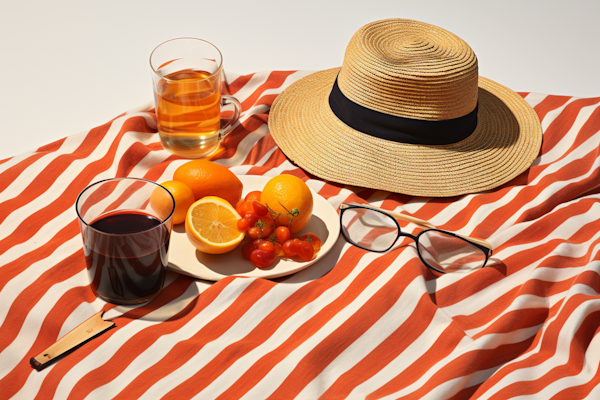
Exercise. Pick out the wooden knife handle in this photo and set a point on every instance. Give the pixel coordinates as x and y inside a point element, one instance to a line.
<point>87,330</point>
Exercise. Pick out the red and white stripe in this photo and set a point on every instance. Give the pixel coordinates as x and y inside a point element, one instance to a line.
<point>353,325</point>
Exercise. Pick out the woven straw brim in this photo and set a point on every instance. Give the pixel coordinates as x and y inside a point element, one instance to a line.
<point>504,144</point>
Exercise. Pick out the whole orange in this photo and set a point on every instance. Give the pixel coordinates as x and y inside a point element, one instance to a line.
<point>207,178</point>
<point>161,203</point>
<point>291,199</point>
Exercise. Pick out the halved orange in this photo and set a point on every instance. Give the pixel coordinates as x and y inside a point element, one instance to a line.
<point>211,225</point>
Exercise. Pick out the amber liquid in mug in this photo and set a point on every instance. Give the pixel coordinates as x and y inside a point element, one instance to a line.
<point>188,113</point>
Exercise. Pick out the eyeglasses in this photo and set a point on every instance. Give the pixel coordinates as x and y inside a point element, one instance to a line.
<point>374,229</point>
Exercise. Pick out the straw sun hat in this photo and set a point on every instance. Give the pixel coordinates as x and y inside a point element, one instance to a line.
<point>407,113</point>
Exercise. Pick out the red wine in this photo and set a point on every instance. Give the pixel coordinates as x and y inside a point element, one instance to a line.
<point>126,254</point>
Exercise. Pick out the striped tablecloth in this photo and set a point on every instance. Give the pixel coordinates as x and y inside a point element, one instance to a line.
<point>355,324</point>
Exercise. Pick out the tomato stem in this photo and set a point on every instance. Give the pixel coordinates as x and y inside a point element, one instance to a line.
<point>290,214</point>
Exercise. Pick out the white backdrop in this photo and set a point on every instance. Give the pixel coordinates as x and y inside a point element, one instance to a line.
<point>68,66</point>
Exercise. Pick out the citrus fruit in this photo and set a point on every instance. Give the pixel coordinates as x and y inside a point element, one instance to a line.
<point>161,202</point>
<point>207,178</point>
<point>290,199</point>
<point>211,225</point>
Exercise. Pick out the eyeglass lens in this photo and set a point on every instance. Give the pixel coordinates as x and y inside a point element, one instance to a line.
<point>376,231</point>
<point>369,229</point>
<point>449,253</point>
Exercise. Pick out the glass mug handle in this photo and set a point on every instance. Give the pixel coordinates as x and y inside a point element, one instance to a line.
<point>227,100</point>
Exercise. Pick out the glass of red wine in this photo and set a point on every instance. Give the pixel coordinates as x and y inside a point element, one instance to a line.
<point>126,226</point>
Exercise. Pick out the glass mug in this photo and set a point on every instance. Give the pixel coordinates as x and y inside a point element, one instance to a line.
<point>186,77</point>
<point>126,226</point>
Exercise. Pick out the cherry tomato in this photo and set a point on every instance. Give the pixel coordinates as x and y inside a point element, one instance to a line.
<point>251,217</point>
<point>263,244</point>
<point>243,224</point>
<point>247,249</point>
<point>289,248</point>
<point>305,250</point>
<point>253,196</point>
<point>313,239</point>
<point>260,208</point>
<point>283,234</point>
<point>267,246</point>
<point>238,206</point>
<point>244,207</point>
<point>262,259</point>
<point>254,232</point>
<point>266,224</point>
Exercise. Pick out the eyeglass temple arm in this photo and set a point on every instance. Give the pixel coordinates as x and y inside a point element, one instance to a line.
<point>417,221</point>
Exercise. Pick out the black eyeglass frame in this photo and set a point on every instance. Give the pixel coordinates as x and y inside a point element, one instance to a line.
<point>482,245</point>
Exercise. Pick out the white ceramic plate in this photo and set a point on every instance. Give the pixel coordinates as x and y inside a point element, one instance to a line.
<point>185,259</point>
